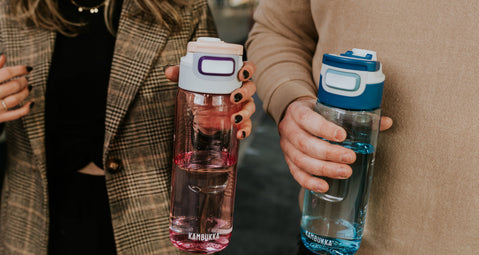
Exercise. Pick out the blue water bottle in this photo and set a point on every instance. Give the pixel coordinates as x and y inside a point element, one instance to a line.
<point>349,94</point>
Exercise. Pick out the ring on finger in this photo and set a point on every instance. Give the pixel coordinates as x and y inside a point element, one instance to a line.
<point>4,105</point>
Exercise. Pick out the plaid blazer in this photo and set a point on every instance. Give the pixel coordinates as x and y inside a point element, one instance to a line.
<point>138,136</point>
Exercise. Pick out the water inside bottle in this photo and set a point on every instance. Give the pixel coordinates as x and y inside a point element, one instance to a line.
<point>202,200</point>
<point>341,231</point>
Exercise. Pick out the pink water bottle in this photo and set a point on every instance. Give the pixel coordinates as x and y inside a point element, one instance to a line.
<point>205,147</point>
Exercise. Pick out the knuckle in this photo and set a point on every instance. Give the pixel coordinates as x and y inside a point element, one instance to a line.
<point>329,154</point>
<point>302,144</point>
<point>294,107</point>
<point>301,161</point>
<point>321,169</point>
<point>322,152</point>
<point>14,101</point>
<point>302,117</point>
<point>282,127</point>
<point>18,84</point>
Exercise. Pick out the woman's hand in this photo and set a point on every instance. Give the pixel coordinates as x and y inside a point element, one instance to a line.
<point>243,95</point>
<point>306,155</point>
<point>13,90</point>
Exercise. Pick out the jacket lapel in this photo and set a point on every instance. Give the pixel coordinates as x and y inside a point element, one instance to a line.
<point>34,47</point>
<point>138,43</point>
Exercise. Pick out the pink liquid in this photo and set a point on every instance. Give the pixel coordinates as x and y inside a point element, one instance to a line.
<point>201,217</point>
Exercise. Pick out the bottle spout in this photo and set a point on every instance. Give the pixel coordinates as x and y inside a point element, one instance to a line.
<point>361,53</point>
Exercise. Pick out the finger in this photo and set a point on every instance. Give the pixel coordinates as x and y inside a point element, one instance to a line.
<point>386,123</point>
<point>244,130</point>
<point>311,145</point>
<point>306,180</point>
<point>246,71</point>
<point>13,86</point>
<point>7,73</point>
<point>15,114</point>
<point>309,120</point>
<point>248,109</point>
<point>243,93</point>
<point>2,60</point>
<point>315,166</point>
<point>15,99</point>
<point>172,73</point>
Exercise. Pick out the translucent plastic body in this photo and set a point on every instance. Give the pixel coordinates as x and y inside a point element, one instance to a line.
<point>333,222</point>
<point>204,172</point>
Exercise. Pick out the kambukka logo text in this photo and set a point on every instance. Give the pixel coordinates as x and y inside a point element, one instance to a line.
<point>203,237</point>
<point>318,239</point>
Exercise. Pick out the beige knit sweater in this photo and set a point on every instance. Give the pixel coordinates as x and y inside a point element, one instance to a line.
<point>425,193</point>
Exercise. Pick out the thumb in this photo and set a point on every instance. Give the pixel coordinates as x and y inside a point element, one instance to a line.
<point>172,73</point>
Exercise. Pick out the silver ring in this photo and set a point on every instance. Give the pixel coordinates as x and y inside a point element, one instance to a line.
<point>4,105</point>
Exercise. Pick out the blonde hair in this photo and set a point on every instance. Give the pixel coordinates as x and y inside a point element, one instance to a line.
<point>45,14</point>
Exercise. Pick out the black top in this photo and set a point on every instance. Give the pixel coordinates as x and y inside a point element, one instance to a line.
<point>76,92</point>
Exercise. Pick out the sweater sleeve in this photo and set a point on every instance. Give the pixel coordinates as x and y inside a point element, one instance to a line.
<point>282,43</point>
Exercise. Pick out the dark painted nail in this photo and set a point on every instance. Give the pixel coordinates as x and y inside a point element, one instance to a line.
<point>244,134</point>
<point>29,68</point>
<point>32,104</point>
<point>238,97</point>
<point>238,119</point>
<point>30,87</point>
<point>246,74</point>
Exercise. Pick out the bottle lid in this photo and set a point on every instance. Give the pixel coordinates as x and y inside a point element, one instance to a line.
<point>353,80</point>
<point>214,45</point>
<point>211,66</point>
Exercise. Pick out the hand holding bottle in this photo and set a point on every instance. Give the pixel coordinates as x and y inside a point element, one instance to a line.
<point>243,96</point>
<point>14,90</point>
<point>309,157</point>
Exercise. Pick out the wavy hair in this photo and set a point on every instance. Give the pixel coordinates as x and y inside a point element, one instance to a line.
<point>45,14</point>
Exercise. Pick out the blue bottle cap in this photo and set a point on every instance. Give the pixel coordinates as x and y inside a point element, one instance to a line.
<point>353,80</point>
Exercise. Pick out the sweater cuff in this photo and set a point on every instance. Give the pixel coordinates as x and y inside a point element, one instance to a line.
<point>285,94</point>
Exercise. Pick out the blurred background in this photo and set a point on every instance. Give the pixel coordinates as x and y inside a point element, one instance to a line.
<point>266,218</point>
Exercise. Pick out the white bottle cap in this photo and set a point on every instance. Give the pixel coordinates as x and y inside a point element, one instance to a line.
<point>211,66</point>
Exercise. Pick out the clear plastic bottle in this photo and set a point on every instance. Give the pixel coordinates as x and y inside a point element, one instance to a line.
<point>205,147</point>
<point>349,95</point>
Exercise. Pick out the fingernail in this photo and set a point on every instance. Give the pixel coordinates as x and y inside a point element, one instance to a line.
<point>244,134</point>
<point>238,119</point>
<point>246,74</point>
<point>346,158</point>
<point>32,104</point>
<point>338,135</point>
<point>343,172</point>
<point>238,97</point>
<point>29,68</point>
<point>30,87</point>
